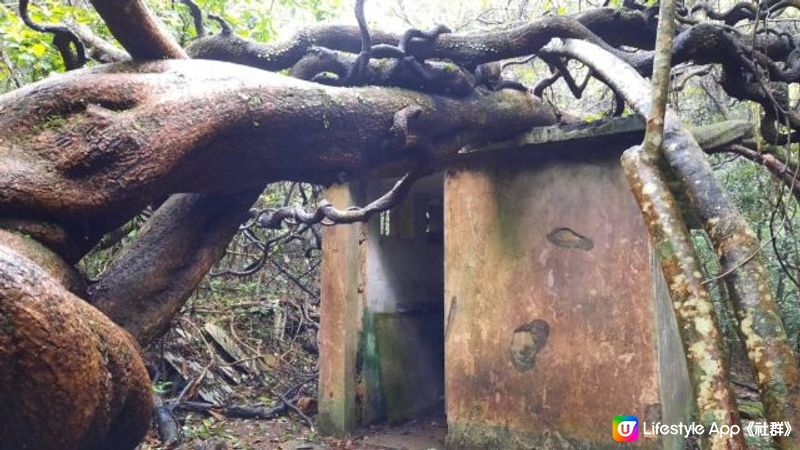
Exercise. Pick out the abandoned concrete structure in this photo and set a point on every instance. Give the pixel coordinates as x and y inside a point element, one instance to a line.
<point>518,296</point>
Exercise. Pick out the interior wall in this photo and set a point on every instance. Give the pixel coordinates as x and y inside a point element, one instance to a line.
<point>405,269</point>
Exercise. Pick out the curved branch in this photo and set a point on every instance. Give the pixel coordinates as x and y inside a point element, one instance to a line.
<point>334,68</point>
<point>273,57</point>
<point>197,17</point>
<point>779,169</point>
<point>735,14</point>
<point>225,27</point>
<point>605,26</point>
<point>274,218</point>
<point>355,73</point>
<point>63,38</point>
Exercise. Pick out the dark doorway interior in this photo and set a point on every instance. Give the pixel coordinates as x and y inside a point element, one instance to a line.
<point>403,344</point>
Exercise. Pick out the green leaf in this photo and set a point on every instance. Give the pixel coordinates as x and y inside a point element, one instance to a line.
<point>38,49</point>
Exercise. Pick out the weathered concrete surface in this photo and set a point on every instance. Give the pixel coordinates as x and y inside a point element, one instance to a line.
<point>341,286</point>
<point>625,131</point>
<point>550,310</point>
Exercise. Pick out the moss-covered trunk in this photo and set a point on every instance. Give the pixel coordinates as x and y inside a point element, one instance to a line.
<point>694,310</point>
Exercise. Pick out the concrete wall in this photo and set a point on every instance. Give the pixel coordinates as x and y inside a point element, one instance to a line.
<point>551,306</point>
<point>555,317</point>
<point>341,286</point>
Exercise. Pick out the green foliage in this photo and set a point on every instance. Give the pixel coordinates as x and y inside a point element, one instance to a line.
<point>27,51</point>
<point>773,214</point>
<point>29,56</point>
<point>253,19</point>
<point>162,387</point>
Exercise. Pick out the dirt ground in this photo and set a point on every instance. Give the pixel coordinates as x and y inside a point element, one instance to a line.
<point>290,434</point>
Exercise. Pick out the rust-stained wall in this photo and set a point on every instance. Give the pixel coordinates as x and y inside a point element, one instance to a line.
<point>549,304</point>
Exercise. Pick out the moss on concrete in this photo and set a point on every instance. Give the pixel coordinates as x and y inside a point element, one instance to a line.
<point>411,363</point>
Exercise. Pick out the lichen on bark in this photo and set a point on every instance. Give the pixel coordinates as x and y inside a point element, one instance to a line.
<point>694,310</point>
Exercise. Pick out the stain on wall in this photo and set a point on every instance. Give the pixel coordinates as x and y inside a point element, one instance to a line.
<point>565,237</point>
<point>526,342</point>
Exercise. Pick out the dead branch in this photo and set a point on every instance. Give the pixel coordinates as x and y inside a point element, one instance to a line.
<point>166,425</point>
<point>237,411</point>
<point>779,169</point>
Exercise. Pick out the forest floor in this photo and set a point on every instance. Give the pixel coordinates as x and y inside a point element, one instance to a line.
<point>288,433</point>
<point>223,363</point>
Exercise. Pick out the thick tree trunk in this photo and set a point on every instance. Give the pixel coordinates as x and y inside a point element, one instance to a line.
<point>69,378</point>
<point>93,147</point>
<point>694,310</point>
<point>173,252</point>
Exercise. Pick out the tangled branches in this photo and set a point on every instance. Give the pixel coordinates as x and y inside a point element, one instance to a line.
<point>326,214</point>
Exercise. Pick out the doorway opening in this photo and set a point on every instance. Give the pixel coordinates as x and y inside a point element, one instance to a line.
<point>402,349</point>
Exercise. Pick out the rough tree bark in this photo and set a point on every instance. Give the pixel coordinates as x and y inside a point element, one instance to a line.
<point>694,310</point>
<point>69,377</point>
<point>91,148</point>
<point>177,248</point>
